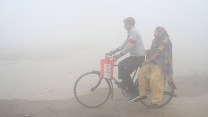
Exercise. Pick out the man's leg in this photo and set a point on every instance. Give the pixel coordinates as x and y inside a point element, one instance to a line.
<point>122,69</point>
<point>122,74</point>
<point>132,64</point>
<point>156,84</point>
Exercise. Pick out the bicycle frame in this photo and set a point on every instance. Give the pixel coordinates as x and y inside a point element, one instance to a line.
<point>110,89</point>
<point>108,59</point>
<point>114,79</point>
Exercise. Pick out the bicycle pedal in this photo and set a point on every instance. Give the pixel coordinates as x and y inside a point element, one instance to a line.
<point>119,84</point>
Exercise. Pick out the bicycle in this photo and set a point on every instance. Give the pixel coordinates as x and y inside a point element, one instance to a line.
<point>100,89</point>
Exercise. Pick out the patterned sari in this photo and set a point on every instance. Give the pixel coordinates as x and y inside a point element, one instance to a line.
<point>163,47</point>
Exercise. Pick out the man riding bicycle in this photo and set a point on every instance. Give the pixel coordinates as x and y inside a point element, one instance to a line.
<point>134,46</point>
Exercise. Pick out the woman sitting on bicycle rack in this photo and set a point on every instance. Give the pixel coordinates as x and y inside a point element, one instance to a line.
<point>157,66</point>
<point>133,45</point>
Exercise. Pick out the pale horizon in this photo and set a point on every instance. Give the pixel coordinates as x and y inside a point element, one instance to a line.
<point>43,40</point>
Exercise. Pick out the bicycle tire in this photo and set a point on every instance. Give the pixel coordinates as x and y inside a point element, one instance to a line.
<point>167,96</point>
<point>99,92</point>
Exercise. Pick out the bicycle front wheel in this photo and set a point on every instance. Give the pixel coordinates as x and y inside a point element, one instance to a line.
<point>92,91</point>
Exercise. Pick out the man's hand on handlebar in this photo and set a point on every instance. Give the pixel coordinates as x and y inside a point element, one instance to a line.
<point>112,52</point>
<point>115,57</point>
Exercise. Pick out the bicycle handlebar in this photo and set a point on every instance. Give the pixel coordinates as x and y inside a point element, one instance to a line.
<point>108,56</point>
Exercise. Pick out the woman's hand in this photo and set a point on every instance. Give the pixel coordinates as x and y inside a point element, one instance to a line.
<point>115,57</point>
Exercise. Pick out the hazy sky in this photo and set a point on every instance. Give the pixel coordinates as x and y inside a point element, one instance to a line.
<point>46,44</point>
<point>68,25</point>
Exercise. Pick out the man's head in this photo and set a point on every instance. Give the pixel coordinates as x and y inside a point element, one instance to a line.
<point>129,22</point>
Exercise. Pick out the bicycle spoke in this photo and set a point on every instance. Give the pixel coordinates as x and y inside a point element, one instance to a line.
<point>167,96</point>
<point>93,91</point>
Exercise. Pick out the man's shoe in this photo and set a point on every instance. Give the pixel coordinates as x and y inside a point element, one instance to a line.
<point>133,98</point>
<point>120,84</point>
<point>140,98</point>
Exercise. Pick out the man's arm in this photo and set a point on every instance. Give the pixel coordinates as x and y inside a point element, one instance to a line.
<point>130,43</point>
<point>118,49</point>
<point>121,47</point>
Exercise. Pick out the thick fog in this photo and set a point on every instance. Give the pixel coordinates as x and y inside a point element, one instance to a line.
<point>46,44</point>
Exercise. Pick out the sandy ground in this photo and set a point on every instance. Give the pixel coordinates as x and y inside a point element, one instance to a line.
<point>191,101</point>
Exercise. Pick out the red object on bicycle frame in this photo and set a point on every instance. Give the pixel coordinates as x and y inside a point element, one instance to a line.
<point>106,68</point>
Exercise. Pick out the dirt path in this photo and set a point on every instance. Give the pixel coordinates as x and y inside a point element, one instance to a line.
<point>192,101</point>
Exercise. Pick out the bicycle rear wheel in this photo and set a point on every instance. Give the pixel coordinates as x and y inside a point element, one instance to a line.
<point>167,96</point>
<point>92,91</point>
